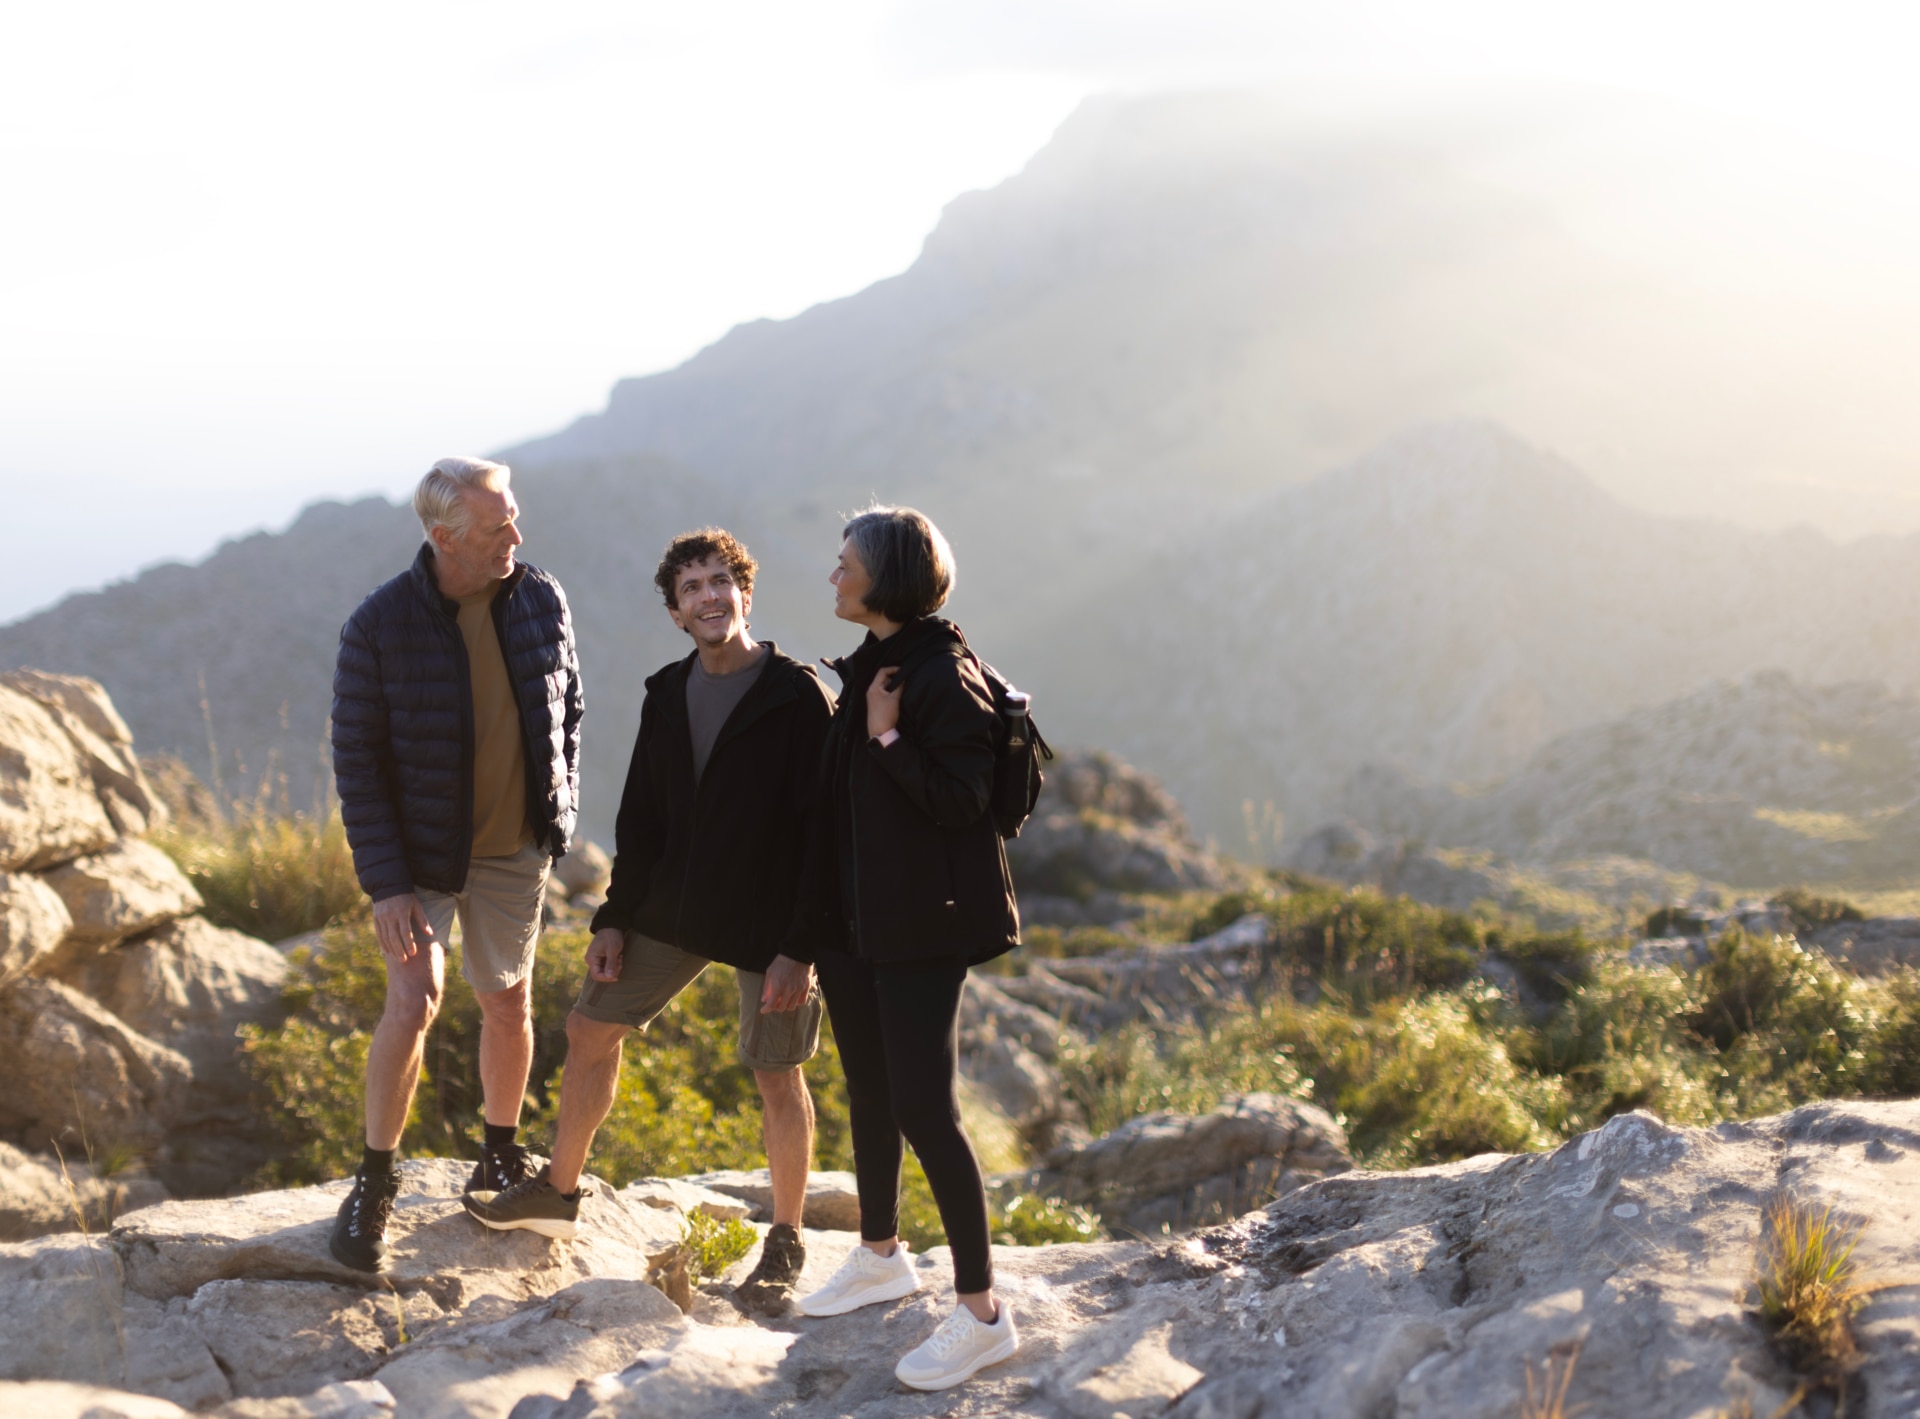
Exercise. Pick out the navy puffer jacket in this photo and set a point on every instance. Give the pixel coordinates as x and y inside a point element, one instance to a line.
<point>403,725</point>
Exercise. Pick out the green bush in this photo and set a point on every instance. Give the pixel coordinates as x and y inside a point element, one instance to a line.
<point>271,875</point>
<point>1893,1055</point>
<point>1785,1025</point>
<point>1029,1221</point>
<point>1618,1043</point>
<point>1550,964</point>
<point>714,1244</point>
<point>1365,947</point>
<point>1811,912</point>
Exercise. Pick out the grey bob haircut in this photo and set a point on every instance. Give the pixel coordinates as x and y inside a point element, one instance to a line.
<point>441,498</point>
<point>909,562</point>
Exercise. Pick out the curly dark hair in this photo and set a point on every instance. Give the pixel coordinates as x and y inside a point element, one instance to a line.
<point>691,547</point>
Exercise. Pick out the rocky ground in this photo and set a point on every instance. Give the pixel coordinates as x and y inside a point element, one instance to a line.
<point>1418,1295</point>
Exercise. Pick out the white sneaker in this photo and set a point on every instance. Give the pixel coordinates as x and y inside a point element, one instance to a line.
<point>958,1350</point>
<point>863,1278</point>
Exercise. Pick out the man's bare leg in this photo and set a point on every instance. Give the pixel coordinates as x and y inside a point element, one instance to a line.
<point>787,1128</point>
<point>588,1086</point>
<point>506,1051</point>
<point>415,988</point>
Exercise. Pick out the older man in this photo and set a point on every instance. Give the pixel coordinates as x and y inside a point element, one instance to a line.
<point>456,748</point>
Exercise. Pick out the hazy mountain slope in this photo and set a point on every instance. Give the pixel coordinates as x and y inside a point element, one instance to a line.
<point>1447,605</point>
<point>1760,781</point>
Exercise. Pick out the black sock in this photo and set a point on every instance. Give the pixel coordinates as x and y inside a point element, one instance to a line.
<point>377,1161</point>
<point>499,1136</point>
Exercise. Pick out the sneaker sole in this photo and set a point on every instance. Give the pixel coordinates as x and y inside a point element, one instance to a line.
<point>558,1228</point>
<point>905,1286</point>
<point>1003,1351</point>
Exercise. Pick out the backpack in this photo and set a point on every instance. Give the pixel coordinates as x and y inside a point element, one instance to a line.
<point>1018,748</point>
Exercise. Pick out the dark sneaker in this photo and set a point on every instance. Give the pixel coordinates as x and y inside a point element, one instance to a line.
<point>769,1288</point>
<point>530,1205</point>
<point>359,1235</point>
<point>499,1169</point>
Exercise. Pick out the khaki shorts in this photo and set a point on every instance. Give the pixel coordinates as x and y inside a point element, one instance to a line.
<point>652,973</point>
<point>499,913</point>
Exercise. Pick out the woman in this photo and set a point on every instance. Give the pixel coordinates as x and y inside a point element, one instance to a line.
<point>910,872</point>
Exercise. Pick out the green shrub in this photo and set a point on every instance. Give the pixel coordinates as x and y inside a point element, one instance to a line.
<point>1550,964</point>
<point>1893,1054</point>
<point>1054,943</point>
<point>713,1244</point>
<point>1618,1043</point>
<point>267,874</point>
<point>1785,1025</point>
<point>1366,947</point>
<point>1811,912</point>
<point>1029,1221</point>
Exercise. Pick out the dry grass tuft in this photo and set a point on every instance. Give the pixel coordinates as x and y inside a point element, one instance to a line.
<point>1807,1289</point>
<point>1547,1393</point>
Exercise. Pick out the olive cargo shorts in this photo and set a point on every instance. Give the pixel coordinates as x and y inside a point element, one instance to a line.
<point>652,973</point>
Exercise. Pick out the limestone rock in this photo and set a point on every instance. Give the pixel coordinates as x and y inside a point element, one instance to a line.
<point>192,985</point>
<point>833,1202</point>
<point>585,868</point>
<point>1020,1085</point>
<point>33,923</point>
<point>36,1200</point>
<point>72,1064</point>
<point>130,888</point>
<point>49,811</point>
<point>59,1399</point>
<point>289,1338</point>
<point>83,710</point>
<point>1168,1172</point>
<point>686,1198</point>
<point>1875,946</point>
<point>436,1248</point>
<point>344,1399</point>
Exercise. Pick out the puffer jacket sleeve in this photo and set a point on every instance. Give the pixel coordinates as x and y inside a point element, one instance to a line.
<point>575,704</point>
<point>361,757</point>
<point>943,759</point>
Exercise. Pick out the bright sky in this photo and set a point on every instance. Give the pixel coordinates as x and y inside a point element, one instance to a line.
<point>258,254</point>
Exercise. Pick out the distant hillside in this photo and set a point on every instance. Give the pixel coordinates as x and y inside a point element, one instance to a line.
<point>1118,381</point>
<point>1761,782</point>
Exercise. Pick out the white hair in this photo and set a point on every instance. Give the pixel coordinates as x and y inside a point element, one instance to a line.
<point>441,501</point>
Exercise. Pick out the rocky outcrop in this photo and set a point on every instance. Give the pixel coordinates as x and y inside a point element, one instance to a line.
<point>1165,1173</point>
<point>833,1203</point>
<point>1428,1294</point>
<point>36,1199</point>
<point>119,1008</point>
<point>1872,947</point>
<point>1103,830</point>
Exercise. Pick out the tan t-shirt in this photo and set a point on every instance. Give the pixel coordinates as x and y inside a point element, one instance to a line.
<point>499,752</point>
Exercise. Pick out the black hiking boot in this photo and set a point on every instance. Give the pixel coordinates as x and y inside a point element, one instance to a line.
<point>531,1205</point>
<point>499,1169</point>
<point>359,1235</point>
<point>768,1289</point>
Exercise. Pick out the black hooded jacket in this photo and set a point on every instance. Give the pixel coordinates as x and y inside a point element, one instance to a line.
<point>907,863</point>
<point>715,870</point>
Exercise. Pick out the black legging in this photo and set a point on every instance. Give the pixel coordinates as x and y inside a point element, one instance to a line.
<point>899,1039</point>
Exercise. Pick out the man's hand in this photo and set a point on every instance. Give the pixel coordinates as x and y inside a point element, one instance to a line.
<point>402,927</point>
<point>789,983</point>
<point>883,702</point>
<point>609,944</point>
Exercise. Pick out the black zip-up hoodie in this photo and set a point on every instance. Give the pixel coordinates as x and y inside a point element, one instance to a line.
<point>910,866</point>
<point>716,870</point>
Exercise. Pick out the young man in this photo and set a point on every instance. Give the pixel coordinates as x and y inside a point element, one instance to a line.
<point>707,863</point>
<point>456,747</point>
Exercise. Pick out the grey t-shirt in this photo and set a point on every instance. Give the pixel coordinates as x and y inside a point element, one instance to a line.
<point>710,699</point>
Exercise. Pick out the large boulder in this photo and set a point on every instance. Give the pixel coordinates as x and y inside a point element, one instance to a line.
<point>78,1070</point>
<point>1166,1172</point>
<point>1872,947</point>
<point>130,888</point>
<point>33,923</point>
<point>49,811</point>
<point>585,868</point>
<point>41,1196</point>
<point>833,1202</point>
<point>81,708</point>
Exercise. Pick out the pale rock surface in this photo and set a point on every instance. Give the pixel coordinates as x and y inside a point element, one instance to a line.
<point>686,1198</point>
<point>1166,1172</point>
<point>833,1202</point>
<point>71,1063</point>
<point>82,708</point>
<point>36,1200</point>
<point>60,1399</point>
<point>33,923</point>
<point>49,811</point>
<point>1872,947</point>
<point>1417,1295</point>
<point>131,887</point>
<point>585,868</point>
